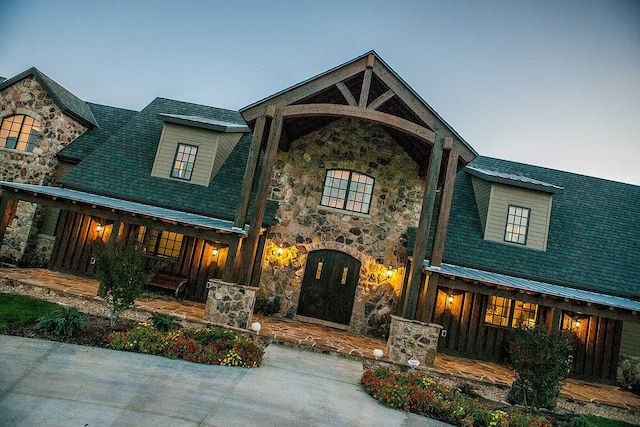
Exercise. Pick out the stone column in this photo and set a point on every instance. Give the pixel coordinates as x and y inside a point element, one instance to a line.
<point>229,304</point>
<point>411,338</point>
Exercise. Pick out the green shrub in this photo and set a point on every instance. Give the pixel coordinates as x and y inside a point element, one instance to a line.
<point>121,275</point>
<point>540,361</point>
<point>164,322</point>
<point>266,306</point>
<point>630,369</point>
<point>63,322</point>
<point>578,421</point>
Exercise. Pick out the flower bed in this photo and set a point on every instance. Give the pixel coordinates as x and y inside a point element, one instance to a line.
<point>414,392</point>
<point>212,346</point>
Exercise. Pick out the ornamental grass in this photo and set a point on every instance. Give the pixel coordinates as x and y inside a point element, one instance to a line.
<point>416,393</point>
<point>211,346</point>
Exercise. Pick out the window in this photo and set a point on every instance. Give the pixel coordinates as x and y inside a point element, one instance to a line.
<point>165,243</point>
<point>19,132</point>
<point>517,225</point>
<point>347,190</point>
<point>500,313</point>
<point>184,161</point>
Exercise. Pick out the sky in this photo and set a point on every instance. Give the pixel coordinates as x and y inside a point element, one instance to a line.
<point>549,83</point>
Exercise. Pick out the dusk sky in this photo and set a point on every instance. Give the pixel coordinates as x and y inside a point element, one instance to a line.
<point>550,83</point>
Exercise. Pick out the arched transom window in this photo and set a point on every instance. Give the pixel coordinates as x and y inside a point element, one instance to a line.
<point>347,190</point>
<point>19,132</point>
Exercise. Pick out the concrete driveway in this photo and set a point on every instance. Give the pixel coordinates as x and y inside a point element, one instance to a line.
<point>54,384</point>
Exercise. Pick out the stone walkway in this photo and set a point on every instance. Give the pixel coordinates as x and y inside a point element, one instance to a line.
<point>320,338</point>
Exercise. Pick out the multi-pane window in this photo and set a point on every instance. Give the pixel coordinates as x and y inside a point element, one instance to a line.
<point>503,311</point>
<point>165,243</point>
<point>517,225</point>
<point>184,161</point>
<point>347,190</point>
<point>19,132</point>
<point>498,309</point>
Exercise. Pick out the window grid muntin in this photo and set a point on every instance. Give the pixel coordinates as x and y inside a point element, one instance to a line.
<point>19,132</point>
<point>517,225</point>
<point>164,243</point>
<point>524,313</point>
<point>498,310</point>
<point>184,161</point>
<point>347,190</point>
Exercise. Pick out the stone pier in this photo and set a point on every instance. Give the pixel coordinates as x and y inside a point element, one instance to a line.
<point>411,338</point>
<point>229,304</point>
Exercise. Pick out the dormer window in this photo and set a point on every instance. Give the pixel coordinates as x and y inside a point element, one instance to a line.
<point>184,161</point>
<point>19,132</point>
<point>347,190</point>
<point>517,225</point>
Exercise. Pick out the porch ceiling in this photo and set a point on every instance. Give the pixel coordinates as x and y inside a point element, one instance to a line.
<point>534,286</point>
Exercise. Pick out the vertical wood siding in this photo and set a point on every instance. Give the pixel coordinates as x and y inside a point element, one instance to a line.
<point>597,341</point>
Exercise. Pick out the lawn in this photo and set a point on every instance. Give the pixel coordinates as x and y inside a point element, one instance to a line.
<point>18,310</point>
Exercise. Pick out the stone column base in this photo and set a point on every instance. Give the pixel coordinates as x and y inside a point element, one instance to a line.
<point>411,338</point>
<point>229,304</point>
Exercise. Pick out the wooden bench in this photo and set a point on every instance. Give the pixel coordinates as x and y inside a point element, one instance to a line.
<point>171,281</point>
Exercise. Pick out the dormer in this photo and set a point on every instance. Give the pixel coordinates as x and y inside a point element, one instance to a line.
<point>193,148</point>
<point>513,209</point>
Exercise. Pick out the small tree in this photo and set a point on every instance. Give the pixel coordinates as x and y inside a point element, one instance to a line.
<point>121,275</point>
<point>540,361</point>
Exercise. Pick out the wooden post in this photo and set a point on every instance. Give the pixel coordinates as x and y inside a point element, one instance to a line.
<point>4,215</point>
<point>249,173</point>
<point>251,244</point>
<point>257,266</point>
<point>115,231</point>
<point>232,253</point>
<point>439,237</point>
<point>422,235</point>
<point>555,320</point>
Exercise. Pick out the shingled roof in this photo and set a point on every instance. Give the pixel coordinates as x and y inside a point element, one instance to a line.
<point>594,233</point>
<point>68,102</point>
<point>121,166</point>
<point>110,120</point>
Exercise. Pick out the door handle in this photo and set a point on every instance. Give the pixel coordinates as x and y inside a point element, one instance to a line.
<point>345,271</point>
<point>319,271</point>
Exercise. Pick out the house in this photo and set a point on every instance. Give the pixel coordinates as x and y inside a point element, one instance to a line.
<point>319,195</point>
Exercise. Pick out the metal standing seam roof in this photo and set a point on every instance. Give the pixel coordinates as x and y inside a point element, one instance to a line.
<point>513,179</point>
<point>534,286</point>
<point>203,122</point>
<point>133,207</point>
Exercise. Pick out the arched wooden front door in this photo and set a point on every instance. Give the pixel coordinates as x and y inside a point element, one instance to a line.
<point>329,286</point>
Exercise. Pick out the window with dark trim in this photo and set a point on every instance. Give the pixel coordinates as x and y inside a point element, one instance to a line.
<point>504,312</point>
<point>517,225</point>
<point>164,243</point>
<point>19,132</point>
<point>183,162</point>
<point>347,190</point>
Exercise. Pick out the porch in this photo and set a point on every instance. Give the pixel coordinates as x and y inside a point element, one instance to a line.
<point>313,337</point>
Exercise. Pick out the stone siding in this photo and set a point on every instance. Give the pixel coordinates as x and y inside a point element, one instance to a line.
<point>377,240</point>
<point>229,305</point>
<point>408,338</point>
<point>38,167</point>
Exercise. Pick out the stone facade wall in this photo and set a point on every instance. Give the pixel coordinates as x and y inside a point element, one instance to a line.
<point>229,305</point>
<point>408,338</point>
<point>39,167</point>
<point>377,240</point>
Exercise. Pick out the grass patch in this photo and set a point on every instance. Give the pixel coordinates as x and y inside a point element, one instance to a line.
<point>20,310</point>
<point>595,421</point>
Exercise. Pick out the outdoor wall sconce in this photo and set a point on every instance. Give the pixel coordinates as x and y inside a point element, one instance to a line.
<point>450,299</point>
<point>389,272</point>
<point>280,251</point>
<point>99,228</point>
<point>215,252</point>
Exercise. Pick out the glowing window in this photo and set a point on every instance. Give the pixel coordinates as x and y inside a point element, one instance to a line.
<point>184,161</point>
<point>19,132</point>
<point>500,310</point>
<point>517,225</point>
<point>347,190</point>
<point>165,243</point>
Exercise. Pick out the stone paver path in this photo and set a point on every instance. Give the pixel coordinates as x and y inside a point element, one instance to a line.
<point>322,339</point>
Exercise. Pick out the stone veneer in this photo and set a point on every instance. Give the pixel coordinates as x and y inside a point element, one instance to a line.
<point>229,304</point>
<point>39,167</point>
<point>377,240</point>
<point>408,338</point>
